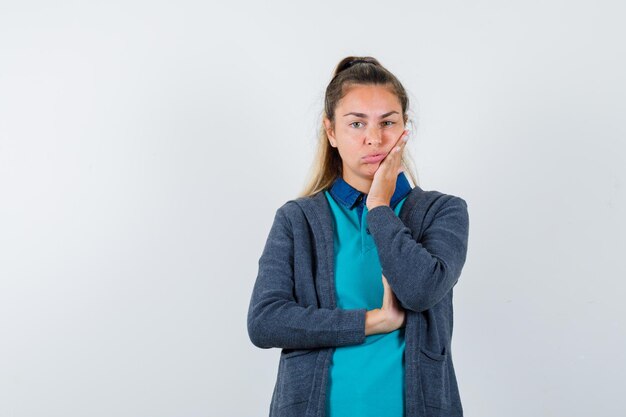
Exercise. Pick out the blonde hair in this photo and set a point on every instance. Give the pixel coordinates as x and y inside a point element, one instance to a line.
<point>327,165</point>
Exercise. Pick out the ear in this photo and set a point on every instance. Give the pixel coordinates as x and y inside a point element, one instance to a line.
<point>329,132</point>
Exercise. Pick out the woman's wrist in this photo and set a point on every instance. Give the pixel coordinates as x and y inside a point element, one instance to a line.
<point>375,204</point>
<point>375,321</point>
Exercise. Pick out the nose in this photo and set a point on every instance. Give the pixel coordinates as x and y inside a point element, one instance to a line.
<point>374,137</point>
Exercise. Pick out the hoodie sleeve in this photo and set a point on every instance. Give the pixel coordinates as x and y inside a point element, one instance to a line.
<point>275,319</point>
<point>421,273</point>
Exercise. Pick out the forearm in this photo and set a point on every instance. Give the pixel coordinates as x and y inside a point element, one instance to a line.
<point>285,324</point>
<point>421,273</point>
<point>276,319</point>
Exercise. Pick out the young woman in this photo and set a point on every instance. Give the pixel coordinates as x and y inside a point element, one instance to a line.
<point>355,281</point>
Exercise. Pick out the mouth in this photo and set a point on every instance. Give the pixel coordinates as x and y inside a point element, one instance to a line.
<point>372,159</point>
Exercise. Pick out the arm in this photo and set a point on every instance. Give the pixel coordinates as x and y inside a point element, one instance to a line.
<point>275,319</point>
<point>421,273</point>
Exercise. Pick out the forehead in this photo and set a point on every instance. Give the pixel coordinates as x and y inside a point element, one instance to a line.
<point>359,97</point>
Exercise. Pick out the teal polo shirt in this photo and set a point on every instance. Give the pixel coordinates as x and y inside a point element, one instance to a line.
<point>365,380</point>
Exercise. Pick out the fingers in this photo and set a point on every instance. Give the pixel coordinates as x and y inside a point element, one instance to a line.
<point>400,143</point>
<point>395,155</point>
<point>402,139</point>
<point>398,147</point>
<point>386,287</point>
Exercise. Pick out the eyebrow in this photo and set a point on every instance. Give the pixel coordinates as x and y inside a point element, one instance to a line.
<point>365,115</point>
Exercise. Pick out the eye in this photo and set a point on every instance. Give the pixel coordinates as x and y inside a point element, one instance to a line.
<point>389,121</point>
<point>354,123</point>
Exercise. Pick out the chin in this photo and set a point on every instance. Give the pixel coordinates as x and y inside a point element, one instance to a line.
<point>371,169</point>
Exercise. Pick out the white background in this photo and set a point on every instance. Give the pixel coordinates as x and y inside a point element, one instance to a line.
<point>145,146</point>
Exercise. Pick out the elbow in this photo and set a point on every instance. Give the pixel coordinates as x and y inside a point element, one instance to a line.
<point>430,291</point>
<point>255,331</point>
<point>253,334</point>
<point>416,303</point>
<point>255,337</point>
<point>421,302</point>
<point>424,302</point>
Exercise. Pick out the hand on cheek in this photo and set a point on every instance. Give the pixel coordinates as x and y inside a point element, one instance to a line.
<point>384,183</point>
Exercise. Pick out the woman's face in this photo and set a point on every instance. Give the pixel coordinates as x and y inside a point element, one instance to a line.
<point>368,121</point>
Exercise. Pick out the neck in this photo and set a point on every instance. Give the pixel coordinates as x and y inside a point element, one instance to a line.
<point>361,184</point>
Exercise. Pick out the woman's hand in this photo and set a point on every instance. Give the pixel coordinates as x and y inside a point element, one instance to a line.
<point>391,316</point>
<point>384,183</point>
<point>395,314</point>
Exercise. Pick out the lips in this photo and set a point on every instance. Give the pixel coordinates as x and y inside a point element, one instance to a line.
<point>372,159</point>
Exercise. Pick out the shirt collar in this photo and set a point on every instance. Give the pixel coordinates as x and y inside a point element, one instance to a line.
<point>348,196</point>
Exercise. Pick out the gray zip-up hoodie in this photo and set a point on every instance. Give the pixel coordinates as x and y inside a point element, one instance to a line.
<point>293,307</point>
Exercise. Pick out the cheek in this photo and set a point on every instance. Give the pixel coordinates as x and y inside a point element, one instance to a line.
<point>350,152</point>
